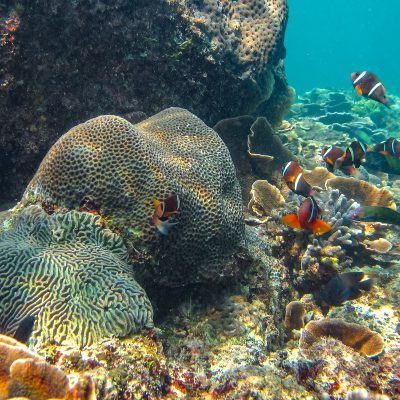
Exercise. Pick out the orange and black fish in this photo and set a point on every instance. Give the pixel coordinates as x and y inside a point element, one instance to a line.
<point>293,176</point>
<point>368,85</point>
<point>354,155</point>
<point>307,218</point>
<point>330,155</point>
<point>390,146</point>
<point>163,211</point>
<point>346,286</point>
<point>347,161</point>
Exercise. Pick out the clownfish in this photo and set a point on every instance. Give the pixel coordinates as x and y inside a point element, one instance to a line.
<point>390,146</point>
<point>307,218</point>
<point>347,161</point>
<point>330,155</point>
<point>293,176</point>
<point>354,155</point>
<point>163,211</point>
<point>368,85</point>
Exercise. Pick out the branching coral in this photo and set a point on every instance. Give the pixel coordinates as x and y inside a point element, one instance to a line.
<point>72,274</point>
<point>331,253</point>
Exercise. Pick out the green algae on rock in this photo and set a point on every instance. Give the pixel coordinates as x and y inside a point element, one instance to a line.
<point>122,167</point>
<point>73,275</point>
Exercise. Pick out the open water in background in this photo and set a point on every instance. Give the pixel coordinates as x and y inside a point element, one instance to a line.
<point>327,40</point>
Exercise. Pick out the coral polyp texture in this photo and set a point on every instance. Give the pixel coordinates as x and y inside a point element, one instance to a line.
<point>72,275</point>
<point>253,29</point>
<point>147,56</point>
<point>122,168</point>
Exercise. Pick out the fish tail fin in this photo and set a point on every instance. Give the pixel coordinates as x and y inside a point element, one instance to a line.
<point>291,220</point>
<point>350,170</point>
<point>388,103</point>
<point>319,226</point>
<point>164,226</point>
<point>365,284</point>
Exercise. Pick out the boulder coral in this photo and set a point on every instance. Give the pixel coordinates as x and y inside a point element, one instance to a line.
<point>70,273</point>
<point>121,168</point>
<point>131,58</point>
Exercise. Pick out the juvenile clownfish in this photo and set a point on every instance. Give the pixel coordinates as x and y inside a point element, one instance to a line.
<point>368,85</point>
<point>163,211</point>
<point>390,146</point>
<point>293,176</point>
<point>307,218</point>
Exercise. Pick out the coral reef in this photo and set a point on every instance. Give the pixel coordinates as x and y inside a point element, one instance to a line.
<point>72,275</point>
<point>265,198</point>
<point>362,192</point>
<point>171,152</point>
<point>257,151</point>
<point>24,374</point>
<point>322,257</point>
<point>253,29</point>
<point>143,58</point>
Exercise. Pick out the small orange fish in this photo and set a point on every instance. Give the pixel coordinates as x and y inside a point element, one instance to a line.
<point>307,218</point>
<point>368,85</point>
<point>390,147</point>
<point>163,211</point>
<point>293,176</point>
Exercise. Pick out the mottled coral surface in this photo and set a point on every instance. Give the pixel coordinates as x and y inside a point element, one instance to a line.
<point>65,62</point>
<point>122,168</point>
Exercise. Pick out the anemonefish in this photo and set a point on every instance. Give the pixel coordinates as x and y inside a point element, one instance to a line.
<point>368,85</point>
<point>390,146</point>
<point>163,211</point>
<point>293,176</point>
<point>347,161</point>
<point>354,155</point>
<point>330,155</point>
<point>307,218</point>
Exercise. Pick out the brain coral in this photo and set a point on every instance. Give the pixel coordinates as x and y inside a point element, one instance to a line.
<point>72,274</point>
<point>121,167</point>
<point>252,29</point>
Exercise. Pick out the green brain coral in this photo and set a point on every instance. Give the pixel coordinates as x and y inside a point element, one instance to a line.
<point>72,274</point>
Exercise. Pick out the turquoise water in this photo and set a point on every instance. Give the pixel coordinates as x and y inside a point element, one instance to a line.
<point>326,41</point>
